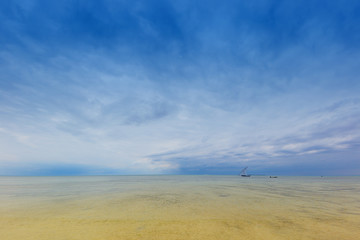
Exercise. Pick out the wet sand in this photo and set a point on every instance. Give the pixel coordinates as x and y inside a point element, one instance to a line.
<point>179,207</point>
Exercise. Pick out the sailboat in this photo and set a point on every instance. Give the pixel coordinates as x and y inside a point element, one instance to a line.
<point>243,173</point>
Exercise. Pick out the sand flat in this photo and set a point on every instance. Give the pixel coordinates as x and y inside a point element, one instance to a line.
<point>179,207</point>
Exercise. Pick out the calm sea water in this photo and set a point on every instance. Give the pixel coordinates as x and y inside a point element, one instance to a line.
<point>179,207</point>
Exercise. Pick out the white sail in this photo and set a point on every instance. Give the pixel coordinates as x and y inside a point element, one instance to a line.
<point>243,172</point>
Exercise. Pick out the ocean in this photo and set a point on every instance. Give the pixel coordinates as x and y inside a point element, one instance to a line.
<point>179,207</point>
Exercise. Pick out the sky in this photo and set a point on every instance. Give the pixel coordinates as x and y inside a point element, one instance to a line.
<point>179,87</point>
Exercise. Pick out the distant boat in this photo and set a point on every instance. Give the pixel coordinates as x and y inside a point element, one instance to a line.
<point>273,176</point>
<point>243,173</point>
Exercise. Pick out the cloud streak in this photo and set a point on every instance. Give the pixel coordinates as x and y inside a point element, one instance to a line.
<point>179,87</point>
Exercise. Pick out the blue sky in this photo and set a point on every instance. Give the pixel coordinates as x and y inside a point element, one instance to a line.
<point>179,87</point>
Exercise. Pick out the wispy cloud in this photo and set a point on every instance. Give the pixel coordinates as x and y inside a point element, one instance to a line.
<point>181,87</point>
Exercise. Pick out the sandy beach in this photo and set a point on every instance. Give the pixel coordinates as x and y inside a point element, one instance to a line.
<point>179,207</point>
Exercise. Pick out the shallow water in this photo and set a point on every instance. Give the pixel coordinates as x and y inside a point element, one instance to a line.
<point>179,207</point>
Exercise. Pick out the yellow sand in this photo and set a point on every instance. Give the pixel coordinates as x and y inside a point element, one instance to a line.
<point>197,209</point>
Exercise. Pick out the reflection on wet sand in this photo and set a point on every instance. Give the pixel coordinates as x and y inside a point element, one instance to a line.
<point>179,207</point>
